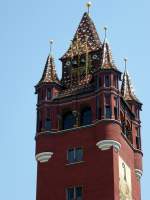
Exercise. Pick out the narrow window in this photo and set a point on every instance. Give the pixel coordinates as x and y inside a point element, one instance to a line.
<point>107,112</point>
<point>39,121</point>
<point>79,154</point>
<point>107,81</point>
<point>116,107</point>
<point>47,124</point>
<point>138,138</point>
<point>40,125</point>
<point>71,156</point>
<point>70,194</point>
<point>78,193</point>
<point>48,94</point>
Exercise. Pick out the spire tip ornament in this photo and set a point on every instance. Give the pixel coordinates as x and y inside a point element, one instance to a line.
<point>88,5</point>
<point>125,61</point>
<point>105,29</point>
<point>51,44</point>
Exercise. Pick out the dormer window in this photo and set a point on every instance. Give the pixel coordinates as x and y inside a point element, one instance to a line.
<point>107,81</point>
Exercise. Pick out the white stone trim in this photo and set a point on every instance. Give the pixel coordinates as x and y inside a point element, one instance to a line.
<point>138,173</point>
<point>43,157</point>
<point>107,144</point>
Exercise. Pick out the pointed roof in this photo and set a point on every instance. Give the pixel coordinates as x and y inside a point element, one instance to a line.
<point>85,34</point>
<point>107,60</point>
<point>49,74</point>
<point>127,90</point>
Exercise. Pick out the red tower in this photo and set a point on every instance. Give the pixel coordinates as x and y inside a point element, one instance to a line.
<point>88,142</point>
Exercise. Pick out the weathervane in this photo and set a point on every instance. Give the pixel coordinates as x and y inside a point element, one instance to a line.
<point>125,61</point>
<point>88,5</point>
<point>51,44</point>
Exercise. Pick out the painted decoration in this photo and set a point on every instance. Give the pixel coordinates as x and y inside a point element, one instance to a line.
<point>125,188</point>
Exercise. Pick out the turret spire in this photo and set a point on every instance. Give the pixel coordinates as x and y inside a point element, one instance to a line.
<point>49,74</point>
<point>127,90</point>
<point>107,60</point>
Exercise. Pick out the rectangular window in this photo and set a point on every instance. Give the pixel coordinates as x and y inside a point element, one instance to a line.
<point>107,81</point>
<point>70,194</point>
<point>79,154</point>
<point>78,193</point>
<point>107,112</point>
<point>74,193</point>
<point>48,124</point>
<point>75,155</point>
<point>71,155</point>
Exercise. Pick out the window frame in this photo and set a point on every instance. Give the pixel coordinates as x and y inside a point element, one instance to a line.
<point>75,160</point>
<point>74,192</point>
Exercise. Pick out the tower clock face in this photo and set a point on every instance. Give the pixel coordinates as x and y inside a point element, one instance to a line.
<point>125,188</point>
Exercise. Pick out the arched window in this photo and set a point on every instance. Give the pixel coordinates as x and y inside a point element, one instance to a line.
<point>68,120</point>
<point>86,116</point>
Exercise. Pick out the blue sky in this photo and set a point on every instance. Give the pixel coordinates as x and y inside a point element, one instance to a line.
<point>25,30</point>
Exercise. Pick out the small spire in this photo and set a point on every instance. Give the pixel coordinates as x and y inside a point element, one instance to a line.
<point>49,74</point>
<point>88,5</point>
<point>107,60</point>
<point>51,45</point>
<point>127,90</point>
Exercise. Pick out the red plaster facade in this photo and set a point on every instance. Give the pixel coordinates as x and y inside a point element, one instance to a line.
<point>98,172</point>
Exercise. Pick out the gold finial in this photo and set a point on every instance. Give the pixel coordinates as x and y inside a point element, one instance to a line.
<point>88,5</point>
<point>125,61</point>
<point>51,44</point>
<point>105,29</point>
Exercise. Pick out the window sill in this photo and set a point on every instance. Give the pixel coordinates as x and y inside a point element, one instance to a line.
<point>74,163</point>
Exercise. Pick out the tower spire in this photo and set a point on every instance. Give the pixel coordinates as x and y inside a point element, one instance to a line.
<point>85,28</point>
